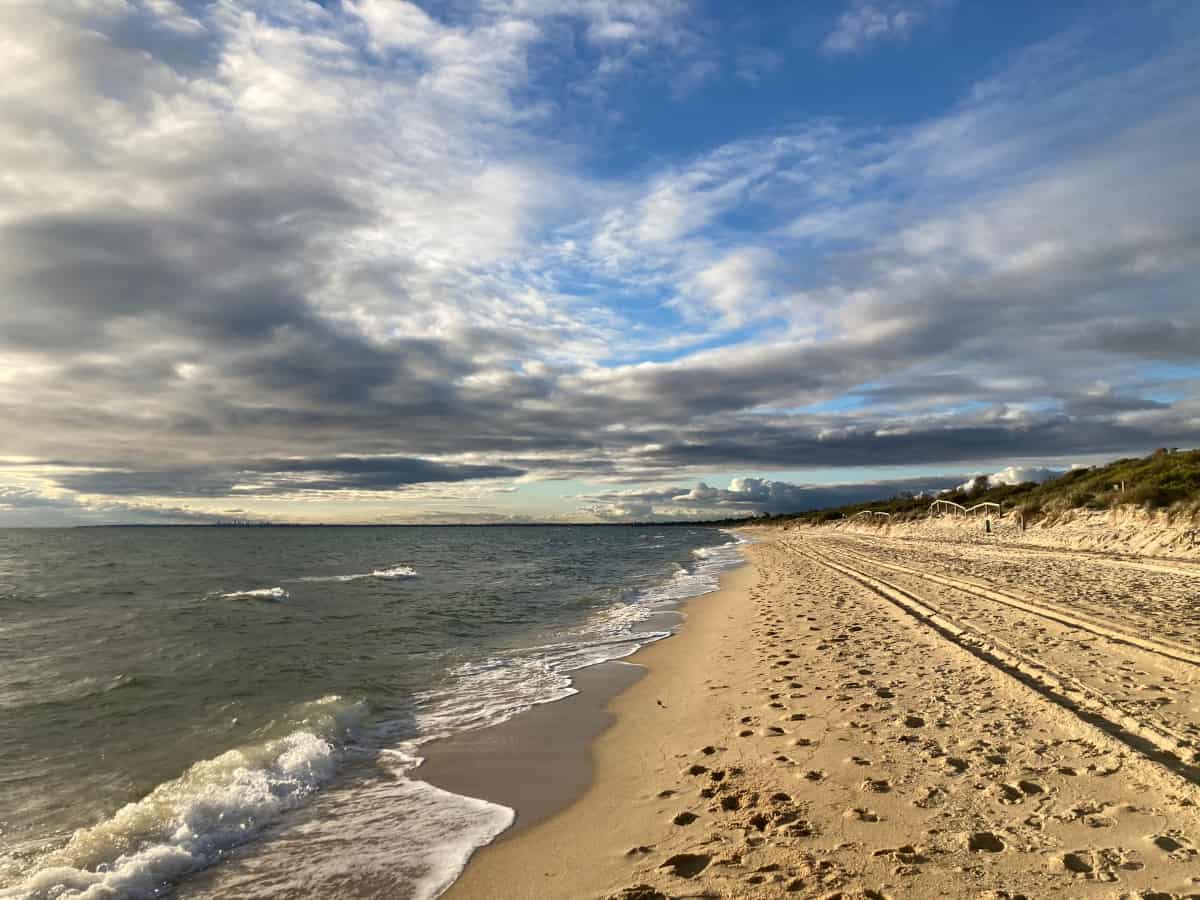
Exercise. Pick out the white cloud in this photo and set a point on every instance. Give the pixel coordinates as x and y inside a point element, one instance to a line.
<point>1014,475</point>
<point>737,286</point>
<point>746,496</point>
<point>398,24</point>
<point>869,22</point>
<point>615,32</point>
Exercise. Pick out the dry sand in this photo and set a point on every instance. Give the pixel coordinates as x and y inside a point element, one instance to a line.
<point>865,716</point>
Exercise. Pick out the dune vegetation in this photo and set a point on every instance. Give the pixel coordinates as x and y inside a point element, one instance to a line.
<point>1166,479</point>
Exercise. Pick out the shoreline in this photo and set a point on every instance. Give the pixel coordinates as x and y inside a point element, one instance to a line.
<point>638,707</point>
<point>540,762</point>
<point>517,765</point>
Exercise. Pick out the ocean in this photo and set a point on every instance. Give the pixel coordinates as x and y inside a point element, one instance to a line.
<point>174,697</point>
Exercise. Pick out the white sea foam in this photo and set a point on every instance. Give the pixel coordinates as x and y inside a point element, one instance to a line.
<point>271,594</point>
<point>487,692</point>
<point>187,824</point>
<point>388,573</point>
<point>382,836</point>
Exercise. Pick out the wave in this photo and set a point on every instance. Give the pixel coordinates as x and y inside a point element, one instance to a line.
<point>192,822</point>
<point>49,689</point>
<point>271,595</point>
<point>487,692</point>
<point>379,835</point>
<point>388,573</point>
<point>189,823</point>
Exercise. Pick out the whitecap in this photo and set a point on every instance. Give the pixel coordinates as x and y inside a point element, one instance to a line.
<point>271,594</point>
<point>388,573</point>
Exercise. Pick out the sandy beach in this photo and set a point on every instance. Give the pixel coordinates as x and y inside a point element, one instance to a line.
<point>862,715</point>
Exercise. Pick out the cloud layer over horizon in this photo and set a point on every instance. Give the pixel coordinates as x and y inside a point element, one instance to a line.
<point>385,260</point>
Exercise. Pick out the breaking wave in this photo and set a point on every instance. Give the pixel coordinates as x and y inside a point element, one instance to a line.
<point>271,595</point>
<point>390,572</point>
<point>187,824</point>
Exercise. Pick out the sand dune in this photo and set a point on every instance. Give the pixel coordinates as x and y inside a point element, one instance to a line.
<point>862,716</point>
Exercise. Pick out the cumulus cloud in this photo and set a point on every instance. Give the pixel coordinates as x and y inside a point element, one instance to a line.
<point>746,496</point>
<point>1013,475</point>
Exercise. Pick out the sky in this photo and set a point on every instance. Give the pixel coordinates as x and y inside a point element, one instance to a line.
<point>576,260</point>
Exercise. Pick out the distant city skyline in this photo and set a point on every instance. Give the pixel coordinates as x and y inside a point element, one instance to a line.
<point>574,260</point>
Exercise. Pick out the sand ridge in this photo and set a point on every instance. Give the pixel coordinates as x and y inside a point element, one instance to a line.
<point>807,736</point>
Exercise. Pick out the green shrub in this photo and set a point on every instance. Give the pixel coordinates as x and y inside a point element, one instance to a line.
<point>1157,481</point>
<point>1077,499</point>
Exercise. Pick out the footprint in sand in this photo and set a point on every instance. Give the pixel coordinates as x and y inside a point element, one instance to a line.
<point>687,865</point>
<point>1010,794</point>
<point>639,892</point>
<point>1174,845</point>
<point>862,814</point>
<point>908,854</point>
<point>932,799</point>
<point>984,842</point>
<point>1101,864</point>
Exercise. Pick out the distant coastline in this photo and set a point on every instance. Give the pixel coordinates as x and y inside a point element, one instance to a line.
<point>707,523</point>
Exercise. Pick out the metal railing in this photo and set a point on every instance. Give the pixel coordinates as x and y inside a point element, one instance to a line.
<point>871,514</point>
<point>946,507</point>
<point>987,506</point>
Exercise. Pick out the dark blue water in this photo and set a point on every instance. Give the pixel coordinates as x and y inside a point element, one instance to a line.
<point>167,694</point>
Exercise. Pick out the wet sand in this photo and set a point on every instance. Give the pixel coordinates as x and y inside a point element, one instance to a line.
<point>828,726</point>
<point>539,762</point>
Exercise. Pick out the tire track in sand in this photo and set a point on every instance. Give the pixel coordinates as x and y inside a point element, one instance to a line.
<point>1054,612</point>
<point>1150,739</point>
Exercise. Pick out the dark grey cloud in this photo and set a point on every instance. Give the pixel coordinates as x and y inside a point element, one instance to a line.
<point>26,507</point>
<point>1163,339</point>
<point>276,476</point>
<point>779,446</point>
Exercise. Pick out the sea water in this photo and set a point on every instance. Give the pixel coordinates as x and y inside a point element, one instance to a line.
<point>240,710</point>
